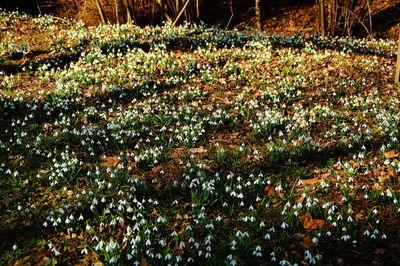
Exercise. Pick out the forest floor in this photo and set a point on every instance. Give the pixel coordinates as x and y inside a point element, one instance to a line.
<point>162,145</point>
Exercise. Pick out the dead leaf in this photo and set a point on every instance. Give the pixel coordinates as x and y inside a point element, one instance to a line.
<point>133,164</point>
<point>311,181</point>
<point>380,251</point>
<point>143,262</point>
<point>300,199</point>
<point>307,242</point>
<point>384,175</point>
<point>198,150</point>
<point>207,168</point>
<point>156,169</point>
<point>391,154</point>
<point>360,215</point>
<point>270,190</point>
<point>309,223</point>
<point>111,161</point>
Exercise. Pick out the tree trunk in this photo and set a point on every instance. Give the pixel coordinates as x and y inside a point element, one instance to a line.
<point>129,6</point>
<point>165,10</point>
<point>100,9</point>
<point>322,20</point>
<point>258,15</point>
<point>397,76</point>
<point>197,10</point>
<point>116,11</point>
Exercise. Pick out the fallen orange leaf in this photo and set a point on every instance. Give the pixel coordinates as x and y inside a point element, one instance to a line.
<point>360,215</point>
<point>111,161</point>
<point>143,262</point>
<point>311,181</point>
<point>380,251</point>
<point>307,242</point>
<point>309,223</point>
<point>391,154</point>
<point>156,169</point>
<point>270,190</point>
<point>198,150</point>
<point>300,199</point>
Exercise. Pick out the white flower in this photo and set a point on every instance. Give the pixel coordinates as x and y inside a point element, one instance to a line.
<point>284,225</point>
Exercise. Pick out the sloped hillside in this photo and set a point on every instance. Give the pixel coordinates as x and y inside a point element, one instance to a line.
<point>194,145</point>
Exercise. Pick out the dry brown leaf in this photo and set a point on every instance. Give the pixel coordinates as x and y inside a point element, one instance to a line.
<point>156,169</point>
<point>391,172</point>
<point>270,190</point>
<point>133,164</point>
<point>207,106</point>
<point>143,262</point>
<point>309,223</point>
<point>380,251</point>
<point>360,215</point>
<point>207,167</point>
<point>385,175</point>
<point>391,154</point>
<point>111,161</point>
<point>198,150</point>
<point>307,242</point>
<point>300,199</point>
<point>311,181</point>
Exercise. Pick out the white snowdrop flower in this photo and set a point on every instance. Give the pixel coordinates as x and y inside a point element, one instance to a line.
<point>345,237</point>
<point>14,247</point>
<point>284,225</point>
<point>84,251</point>
<point>315,240</point>
<point>284,262</point>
